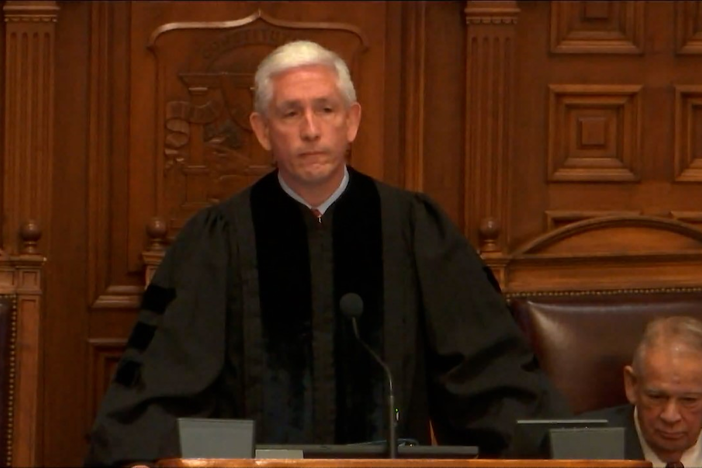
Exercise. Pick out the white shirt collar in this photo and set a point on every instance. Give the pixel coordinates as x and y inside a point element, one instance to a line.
<point>692,456</point>
<point>327,203</point>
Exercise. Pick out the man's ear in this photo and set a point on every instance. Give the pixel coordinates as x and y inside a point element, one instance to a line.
<point>353,120</point>
<point>259,124</point>
<point>630,384</point>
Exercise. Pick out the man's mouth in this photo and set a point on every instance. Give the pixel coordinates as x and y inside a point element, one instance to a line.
<point>671,435</point>
<point>312,152</point>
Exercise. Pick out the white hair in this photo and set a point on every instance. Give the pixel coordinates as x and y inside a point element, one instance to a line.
<point>297,54</point>
<point>668,331</point>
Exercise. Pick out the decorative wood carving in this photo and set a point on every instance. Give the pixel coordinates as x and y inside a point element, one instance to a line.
<point>30,233</point>
<point>28,115</point>
<point>489,113</point>
<point>594,133</point>
<point>597,27</point>
<point>209,148</point>
<point>688,27</point>
<point>157,230</point>
<point>103,356</point>
<point>688,133</point>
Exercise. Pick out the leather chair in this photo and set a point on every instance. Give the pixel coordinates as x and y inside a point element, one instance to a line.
<point>8,317</point>
<point>583,340</point>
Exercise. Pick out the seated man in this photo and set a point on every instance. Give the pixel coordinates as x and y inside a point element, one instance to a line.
<point>243,318</point>
<point>664,386</point>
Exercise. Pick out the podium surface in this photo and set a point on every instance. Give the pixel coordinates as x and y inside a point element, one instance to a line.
<point>396,463</point>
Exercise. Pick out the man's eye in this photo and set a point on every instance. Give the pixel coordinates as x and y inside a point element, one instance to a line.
<point>325,110</point>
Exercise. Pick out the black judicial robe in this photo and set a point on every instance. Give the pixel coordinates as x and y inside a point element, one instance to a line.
<point>621,416</point>
<point>241,320</point>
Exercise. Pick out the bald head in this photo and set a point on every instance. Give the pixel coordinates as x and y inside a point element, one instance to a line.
<point>681,332</point>
<point>665,384</point>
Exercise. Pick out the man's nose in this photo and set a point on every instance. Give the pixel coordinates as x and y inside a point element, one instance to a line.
<point>310,126</point>
<point>671,412</point>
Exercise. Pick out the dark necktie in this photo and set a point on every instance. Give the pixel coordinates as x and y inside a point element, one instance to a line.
<point>676,464</point>
<point>317,213</point>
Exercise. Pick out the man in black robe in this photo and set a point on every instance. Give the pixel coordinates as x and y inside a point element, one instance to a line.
<point>242,318</point>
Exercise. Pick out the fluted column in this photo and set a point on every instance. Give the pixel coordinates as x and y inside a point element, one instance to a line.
<point>490,32</point>
<point>30,28</point>
<point>29,115</point>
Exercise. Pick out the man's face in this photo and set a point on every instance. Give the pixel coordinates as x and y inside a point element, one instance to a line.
<point>308,127</point>
<point>668,397</point>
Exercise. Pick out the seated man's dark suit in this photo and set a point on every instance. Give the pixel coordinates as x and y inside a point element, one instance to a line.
<point>621,416</point>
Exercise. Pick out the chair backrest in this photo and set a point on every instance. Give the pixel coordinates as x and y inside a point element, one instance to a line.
<point>7,376</point>
<point>583,340</point>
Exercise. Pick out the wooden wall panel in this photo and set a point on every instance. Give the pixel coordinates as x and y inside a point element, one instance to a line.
<point>597,27</point>
<point>65,318</point>
<point>605,127</point>
<point>111,281</point>
<point>443,117</point>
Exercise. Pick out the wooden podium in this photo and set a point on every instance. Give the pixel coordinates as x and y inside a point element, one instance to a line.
<point>397,463</point>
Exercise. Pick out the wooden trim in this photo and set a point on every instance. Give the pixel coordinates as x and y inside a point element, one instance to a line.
<point>414,54</point>
<point>404,463</point>
<point>602,292</point>
<point>28,366</point>
<point>99,124</point>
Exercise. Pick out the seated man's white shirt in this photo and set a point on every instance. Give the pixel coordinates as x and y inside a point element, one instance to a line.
<point>692,457</point>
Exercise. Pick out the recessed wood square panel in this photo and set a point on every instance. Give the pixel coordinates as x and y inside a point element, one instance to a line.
<point>688,133</point>
<point>688,27</point>
<point>597,27</point>
<point>594,133</point>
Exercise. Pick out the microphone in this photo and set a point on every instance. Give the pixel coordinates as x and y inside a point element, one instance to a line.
<point>351,306</point>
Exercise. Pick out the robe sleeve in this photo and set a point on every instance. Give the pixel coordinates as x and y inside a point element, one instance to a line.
<point>175,351</point>
<point>482,373</point>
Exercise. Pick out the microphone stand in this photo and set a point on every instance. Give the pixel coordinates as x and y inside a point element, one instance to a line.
<point>392,418</point>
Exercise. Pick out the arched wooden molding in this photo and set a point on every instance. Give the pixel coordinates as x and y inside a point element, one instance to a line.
<point>616,252</point>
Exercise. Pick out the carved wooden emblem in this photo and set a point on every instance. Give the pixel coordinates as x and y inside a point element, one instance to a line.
<point>204,86</point>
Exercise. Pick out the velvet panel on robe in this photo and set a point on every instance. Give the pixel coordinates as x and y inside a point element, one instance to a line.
<point>317,382</point>
<point>456,355</point>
